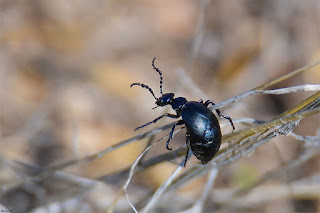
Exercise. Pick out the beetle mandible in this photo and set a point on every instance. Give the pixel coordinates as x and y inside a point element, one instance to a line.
<point>203,134</point>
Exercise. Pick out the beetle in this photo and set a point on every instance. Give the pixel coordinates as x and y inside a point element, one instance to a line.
<point>203,134</point>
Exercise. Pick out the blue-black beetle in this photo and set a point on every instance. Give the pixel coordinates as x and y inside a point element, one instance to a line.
<point>203,130</point>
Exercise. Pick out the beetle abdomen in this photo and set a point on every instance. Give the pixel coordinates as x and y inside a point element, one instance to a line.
<point>205,150</point>
<point>203,130</point>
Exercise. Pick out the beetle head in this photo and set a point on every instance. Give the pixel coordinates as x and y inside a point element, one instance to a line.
<point>165,99</point>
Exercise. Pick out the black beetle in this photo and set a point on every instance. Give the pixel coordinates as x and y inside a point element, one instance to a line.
<point>203,129</point>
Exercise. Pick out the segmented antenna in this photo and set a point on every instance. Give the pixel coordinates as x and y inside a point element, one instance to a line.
<point>160,73</point>
<point>145,86</point>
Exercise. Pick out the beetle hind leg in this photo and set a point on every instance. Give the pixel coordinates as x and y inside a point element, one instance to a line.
<point>219,113</point>
<point>226,117</point>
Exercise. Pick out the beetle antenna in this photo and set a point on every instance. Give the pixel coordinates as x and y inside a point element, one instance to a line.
<point>160,73</point>
<point>145,86</point>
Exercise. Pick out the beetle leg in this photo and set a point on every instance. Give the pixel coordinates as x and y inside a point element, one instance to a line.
<point>170,137</point>
<point>180,122</point>
<point>219,113</point>
<point>208,102</point>
<point>187,154</point>
<point>226,117</point>
<point>200,101</point>
<point>155,120</point>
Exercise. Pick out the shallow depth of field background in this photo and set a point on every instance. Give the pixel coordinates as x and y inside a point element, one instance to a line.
<point>66,68</point>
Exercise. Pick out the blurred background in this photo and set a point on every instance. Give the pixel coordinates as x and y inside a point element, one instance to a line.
<point>65,72</point>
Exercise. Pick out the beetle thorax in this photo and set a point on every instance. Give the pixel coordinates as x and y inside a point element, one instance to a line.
<point>178,103</point>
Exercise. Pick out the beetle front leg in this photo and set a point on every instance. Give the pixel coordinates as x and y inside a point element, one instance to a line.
<point>155,120</point>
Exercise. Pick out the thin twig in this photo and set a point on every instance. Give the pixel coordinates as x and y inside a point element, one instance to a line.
<point>283,169</point>
<point>160,191</point>
<point>223,159</point>
<point>199,33</point>
<point>199,205</point>
<point>299,88</point>
<point>125,186</point>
